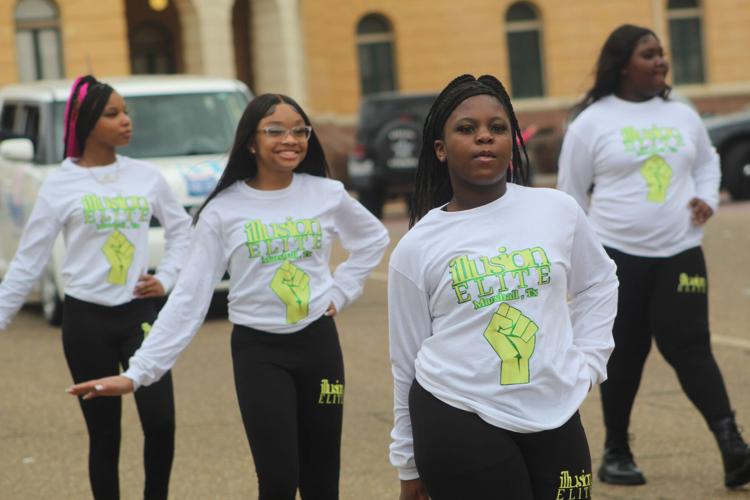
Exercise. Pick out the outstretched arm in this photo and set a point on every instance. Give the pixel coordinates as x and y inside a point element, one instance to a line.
<point>178,321</point>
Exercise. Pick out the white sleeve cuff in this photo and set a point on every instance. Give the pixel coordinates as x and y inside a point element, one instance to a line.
<point>129,373</point>
<point>408,473</point>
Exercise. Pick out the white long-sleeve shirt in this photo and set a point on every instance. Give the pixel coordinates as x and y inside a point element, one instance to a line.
<point>276,246</point>
<point>646,160</point>
<point>465,287</point>
<point>104,215</point>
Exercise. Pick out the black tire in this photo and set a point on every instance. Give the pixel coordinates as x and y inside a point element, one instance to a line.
<point>373,200</point>
<point>52,306</point>
<point>737,170</point>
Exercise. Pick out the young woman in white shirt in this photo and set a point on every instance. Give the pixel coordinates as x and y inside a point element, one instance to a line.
<point>501,302</point>
<point>271,222</point>
<point>103,204</point>
<point>655,178</point>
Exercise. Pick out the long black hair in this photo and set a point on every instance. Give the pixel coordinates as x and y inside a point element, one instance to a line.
<point>86,103</point>
<point>242,165</point>
<point>432,184</point>
<point>615,55</point>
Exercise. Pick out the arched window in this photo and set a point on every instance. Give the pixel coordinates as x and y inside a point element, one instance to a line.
<point>151,50</point>
<point>38,47</point>
<point>524,35</point>
<point>686,41</point>
<point>375,49</point>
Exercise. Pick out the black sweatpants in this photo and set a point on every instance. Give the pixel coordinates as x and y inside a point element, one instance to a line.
<point>290,389</point>
<point>460,456</point>
<point>97,341</point>
<point>667,299</point>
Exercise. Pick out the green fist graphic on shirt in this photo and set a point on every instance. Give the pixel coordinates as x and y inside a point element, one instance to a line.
<point>292,285</point>
<point>658,175</point>
<point>119,253</point>
<point>513,337</point>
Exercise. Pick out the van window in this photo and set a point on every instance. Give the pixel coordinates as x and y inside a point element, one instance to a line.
<point>175,125</point>
<point>7,119</point>
<point>30,127</point>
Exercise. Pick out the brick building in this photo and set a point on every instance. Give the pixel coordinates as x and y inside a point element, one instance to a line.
<point>328,53</point>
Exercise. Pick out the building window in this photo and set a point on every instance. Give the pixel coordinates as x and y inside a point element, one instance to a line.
<point>375,50</point>
<point>38,46</point>
<point>523,28</point>
<point>151,50</point>
<point>686,41</point>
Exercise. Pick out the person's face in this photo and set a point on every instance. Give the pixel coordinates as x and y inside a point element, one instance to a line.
<point>113,128</point>
<point>284,153</point>
<point>646,72</point>
<point>477,144</point>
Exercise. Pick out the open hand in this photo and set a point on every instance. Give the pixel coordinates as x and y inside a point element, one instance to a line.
<point>107,386</point>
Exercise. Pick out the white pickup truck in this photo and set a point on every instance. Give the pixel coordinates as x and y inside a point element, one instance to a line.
<point>184,125</point>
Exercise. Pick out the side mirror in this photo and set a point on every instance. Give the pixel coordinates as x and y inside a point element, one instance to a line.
<point>17,149</point>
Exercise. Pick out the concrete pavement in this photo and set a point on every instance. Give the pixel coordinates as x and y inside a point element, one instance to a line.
<point>43,439</point>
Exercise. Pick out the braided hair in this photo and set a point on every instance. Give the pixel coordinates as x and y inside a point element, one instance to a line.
<point>86,103</point>
<point>432,184</point>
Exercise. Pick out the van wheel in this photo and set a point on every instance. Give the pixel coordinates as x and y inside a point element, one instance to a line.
<point>51,304</point>
<point>737,171</point>
<point>373,200</point>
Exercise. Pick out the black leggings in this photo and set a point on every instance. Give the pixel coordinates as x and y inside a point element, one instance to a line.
<point>459,455</point>
<point>97,341</point>
<point>290,388</point>
<point>666,298</point>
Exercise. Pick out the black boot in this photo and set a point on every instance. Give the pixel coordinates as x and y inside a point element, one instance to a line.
<point>618,467</point>
<point>735,453</point>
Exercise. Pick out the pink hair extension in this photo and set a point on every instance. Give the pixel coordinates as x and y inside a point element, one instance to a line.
<point>71,110</point>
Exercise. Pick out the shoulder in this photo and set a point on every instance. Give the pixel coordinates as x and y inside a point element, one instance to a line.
<point>327,185</point>
<point>143,167</point>
<point>549,200</point>
<point>683,112</point>
<point>587,120</point>
<point>410,250</point>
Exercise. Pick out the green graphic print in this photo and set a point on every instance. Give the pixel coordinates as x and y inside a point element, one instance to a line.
<point>331,393</point>
<point>513,337</point>
<point>691,284</point>
<point>574,486</point>
<point>658,175</point>
<point>279,241</point>
<point>292,285</point>
<point>504,277</point>
<point>119,253</point>
<point>115,212</point>
<point>146,328</point>
<point>653,143</point>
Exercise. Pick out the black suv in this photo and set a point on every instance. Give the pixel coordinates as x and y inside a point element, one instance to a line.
<point>389,137</point>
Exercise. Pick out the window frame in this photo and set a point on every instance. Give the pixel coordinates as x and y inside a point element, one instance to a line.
<point>535,26</point>
<point>683,14</point>
<point>365,41</point>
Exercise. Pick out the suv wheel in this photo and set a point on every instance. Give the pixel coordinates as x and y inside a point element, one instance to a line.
<point>737,170</point>
<point>51,304</point>
<point>373,198</point>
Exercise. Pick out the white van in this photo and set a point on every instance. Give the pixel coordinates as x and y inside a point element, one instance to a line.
<point>185,125</point>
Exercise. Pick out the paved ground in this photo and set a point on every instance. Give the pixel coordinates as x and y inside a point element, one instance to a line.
<point>43,439</point>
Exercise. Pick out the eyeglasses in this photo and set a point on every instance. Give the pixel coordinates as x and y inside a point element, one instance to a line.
<point>301,133</point>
